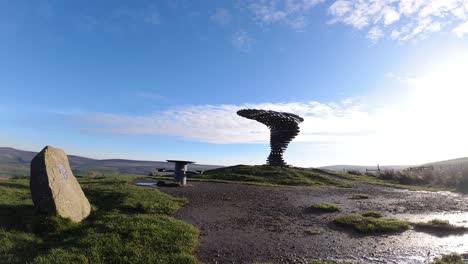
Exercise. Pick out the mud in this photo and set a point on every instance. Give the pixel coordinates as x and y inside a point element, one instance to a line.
<point>245,224</point>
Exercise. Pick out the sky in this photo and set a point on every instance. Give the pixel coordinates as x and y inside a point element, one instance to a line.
<point>377,81</point>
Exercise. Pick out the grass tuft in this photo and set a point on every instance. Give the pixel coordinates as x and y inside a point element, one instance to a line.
<point>324,207</point>
<point>368,225</point>
<point>439,225</point>
<point>374,214</point>
<point>359,196</point>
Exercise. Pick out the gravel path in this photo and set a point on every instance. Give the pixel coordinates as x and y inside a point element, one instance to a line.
<point>245,223</point>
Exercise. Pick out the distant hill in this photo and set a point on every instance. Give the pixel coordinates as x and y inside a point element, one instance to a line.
<point>15,163</point>
<point>341,168</point>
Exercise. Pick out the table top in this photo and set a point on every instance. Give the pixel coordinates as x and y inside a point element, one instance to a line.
<point>181,161</point>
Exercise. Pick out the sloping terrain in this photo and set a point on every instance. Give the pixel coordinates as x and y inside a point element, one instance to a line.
<point>341,168</point>
<point>269,175</point>
<point>15,163</point>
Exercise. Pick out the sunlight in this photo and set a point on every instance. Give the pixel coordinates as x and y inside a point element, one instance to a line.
<point>437,101</point>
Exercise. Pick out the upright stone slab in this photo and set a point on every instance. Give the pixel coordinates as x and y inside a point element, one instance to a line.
<point>54,189</point>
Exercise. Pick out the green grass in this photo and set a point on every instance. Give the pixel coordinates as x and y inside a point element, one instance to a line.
<point>324,207</point>
<point>438,225</point>
<point>374,214</point>
<point>269,175</point>
<point>128,224</point>
<point>359,196</point>
<point>369,225</point>
<point>373,180</point>
<point>449,259</point>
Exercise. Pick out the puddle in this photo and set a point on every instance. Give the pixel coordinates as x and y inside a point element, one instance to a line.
<point>433,244</point>
<point>456,218</point>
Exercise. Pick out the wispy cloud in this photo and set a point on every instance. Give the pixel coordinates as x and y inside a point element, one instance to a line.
<point>221,124</point>
<point>428,114</point>
<point>461,30</point>
<point>402,20</point>
<point>375,34</point>
<point>289,12</point>
<point>221,17</point>
<point>242,40</point>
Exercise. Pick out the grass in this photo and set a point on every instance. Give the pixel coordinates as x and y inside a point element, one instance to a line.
<point>324,207</point>
<point>449,259</point>
<point>128,224</point>
<point>374,214</point>
<point>269,175</point>
<point>438,225</point>
<point>359,196</point>
<point>375,181</point>
<point>369,225</point>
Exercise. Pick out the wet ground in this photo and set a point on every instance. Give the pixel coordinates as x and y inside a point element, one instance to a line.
<point>244,223</point>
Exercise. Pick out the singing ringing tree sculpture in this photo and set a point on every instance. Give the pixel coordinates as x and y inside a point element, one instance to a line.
<point>283,128</point>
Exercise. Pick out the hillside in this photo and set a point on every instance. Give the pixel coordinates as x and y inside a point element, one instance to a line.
<point>15,163</point>
<point>341,168</point>
<point>268,175</point>
<point>460,163</point>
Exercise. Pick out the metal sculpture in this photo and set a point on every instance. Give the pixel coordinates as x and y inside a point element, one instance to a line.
<point>283,128</point>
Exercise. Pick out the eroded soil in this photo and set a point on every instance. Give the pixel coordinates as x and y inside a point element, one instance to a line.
<point>244,223</point>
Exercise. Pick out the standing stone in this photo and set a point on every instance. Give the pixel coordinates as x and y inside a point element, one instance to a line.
<point>54,189</point>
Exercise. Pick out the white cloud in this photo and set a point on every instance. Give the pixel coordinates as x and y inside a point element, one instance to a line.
<point>242,40</point>
<point>222,17</point>
<point>289,12</point>
<point>461,29</point>
<point>220,123</point>
<point>375,34</point>
<point>401,20</point>
<point>423,122</point>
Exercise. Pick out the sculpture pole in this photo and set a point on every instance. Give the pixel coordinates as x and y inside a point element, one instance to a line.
<point>283,128</point>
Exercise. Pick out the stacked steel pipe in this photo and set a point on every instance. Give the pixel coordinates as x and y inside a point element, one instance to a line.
<point>283,128</point>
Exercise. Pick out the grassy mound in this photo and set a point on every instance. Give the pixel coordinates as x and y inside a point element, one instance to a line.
<point>269,175</point>
<point>363,224</point>
<point>438,225</point>
<point>128,224</point>
<point>324,207</point>
<point>374,214</point>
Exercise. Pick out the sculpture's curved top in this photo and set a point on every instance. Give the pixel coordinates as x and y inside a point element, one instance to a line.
<point>283,128</point>
<point>270,118</point>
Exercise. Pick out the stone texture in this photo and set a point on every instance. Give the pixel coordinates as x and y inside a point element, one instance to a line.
<point>54,189</point>
<point>283,128</point>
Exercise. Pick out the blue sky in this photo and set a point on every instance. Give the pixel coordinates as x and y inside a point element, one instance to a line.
<point>377,81</point>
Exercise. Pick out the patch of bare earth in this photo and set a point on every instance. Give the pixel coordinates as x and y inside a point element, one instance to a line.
<point>244,223</point>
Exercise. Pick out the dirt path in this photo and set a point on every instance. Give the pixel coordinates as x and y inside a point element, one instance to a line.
<point>244,224</point>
